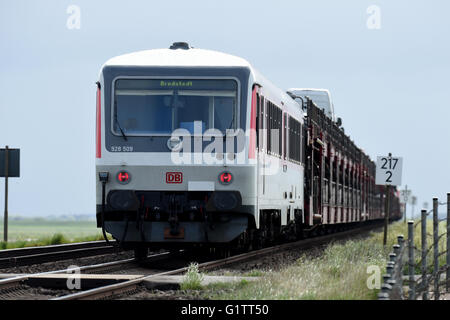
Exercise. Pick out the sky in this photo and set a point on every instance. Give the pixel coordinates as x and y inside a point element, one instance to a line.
<point>387,70</point>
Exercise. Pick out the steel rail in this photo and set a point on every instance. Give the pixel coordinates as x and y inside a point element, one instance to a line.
<point>33,255</point>
<point>17,280</point>
<point>17,252</point>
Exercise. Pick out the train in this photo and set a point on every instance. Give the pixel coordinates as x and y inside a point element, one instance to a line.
<point>197,149</point>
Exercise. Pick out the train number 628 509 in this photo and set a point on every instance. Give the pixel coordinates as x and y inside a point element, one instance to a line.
<point>121,148</point>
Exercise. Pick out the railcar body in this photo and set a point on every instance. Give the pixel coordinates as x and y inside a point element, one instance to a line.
<point>340,177</point>
<point>196,147</point>
<point>205,193</point>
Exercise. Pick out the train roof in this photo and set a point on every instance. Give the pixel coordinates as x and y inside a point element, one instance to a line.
<point>178,57</point>
<point>309,89</point>
<point>184,56</point>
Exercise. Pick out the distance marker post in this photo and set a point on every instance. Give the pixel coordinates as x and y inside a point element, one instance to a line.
<point>388,173</point>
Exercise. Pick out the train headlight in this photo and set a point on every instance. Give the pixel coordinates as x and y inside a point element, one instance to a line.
<point>225,177</point>
<point>123,200</point>
<point>226,200</point>
<point>123,177</point>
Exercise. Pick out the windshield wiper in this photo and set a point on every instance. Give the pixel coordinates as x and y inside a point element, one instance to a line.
<point>232,121</point>
<point>118,124</point>
<point>121,131</point>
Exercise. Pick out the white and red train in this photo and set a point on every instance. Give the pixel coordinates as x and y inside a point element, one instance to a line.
<point>196,147</point>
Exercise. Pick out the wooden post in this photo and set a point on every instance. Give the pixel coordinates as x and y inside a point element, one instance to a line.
<point>412,284</point>
<point>5,218</point>
<point>406,200</point>
<point>436,248</point>
<point>448,243</point>
<point>386,214</point>
<point>400,254</point>
<point>424,255</point>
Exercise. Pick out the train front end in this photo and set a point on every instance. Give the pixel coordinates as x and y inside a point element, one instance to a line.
<point>172,166</point>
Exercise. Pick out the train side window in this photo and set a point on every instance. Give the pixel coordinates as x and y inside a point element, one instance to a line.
<point>264,106</point>
<point>294,140</point>
<point>280,132</point>
<point>274,130</point>
<point>303,143</point>
<point>268,127</point>
<point>262,115</point>
<point>272,125</point>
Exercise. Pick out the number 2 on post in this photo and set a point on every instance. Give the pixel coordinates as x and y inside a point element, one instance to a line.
<point>390,176</point>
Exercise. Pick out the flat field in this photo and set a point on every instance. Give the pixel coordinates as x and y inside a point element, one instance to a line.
<point>40,231</point>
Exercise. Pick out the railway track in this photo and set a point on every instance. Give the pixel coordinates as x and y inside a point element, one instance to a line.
<point>50,278</point>
<point>131,285</point>
<point>107,280</point>
<point>33,255</point>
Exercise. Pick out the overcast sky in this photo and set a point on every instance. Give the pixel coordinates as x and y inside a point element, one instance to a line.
<point>390,85</point>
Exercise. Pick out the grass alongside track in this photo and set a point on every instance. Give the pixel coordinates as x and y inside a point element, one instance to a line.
<point>339,272</point>
<point>39,232</point>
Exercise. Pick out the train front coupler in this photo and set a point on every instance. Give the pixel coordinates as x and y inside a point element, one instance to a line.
<point>174,209</point>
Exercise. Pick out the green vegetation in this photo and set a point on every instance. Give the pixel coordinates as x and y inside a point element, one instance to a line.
<point>211,289</point>
<point>340,272</point>
<point>30,232</point>
<point>254,273</point>
<point>401,228</point>
<point>192,279</point>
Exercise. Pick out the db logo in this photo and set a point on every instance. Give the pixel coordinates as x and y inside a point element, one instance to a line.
<point>174,177</point>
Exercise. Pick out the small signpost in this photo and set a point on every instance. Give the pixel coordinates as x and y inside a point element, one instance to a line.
<point>413,204</point>
<point>405,194</point>
<point>388,173</point>
<point>9,168</point>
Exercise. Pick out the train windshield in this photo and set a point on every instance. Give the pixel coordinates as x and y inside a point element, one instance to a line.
<point>158,107</point>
